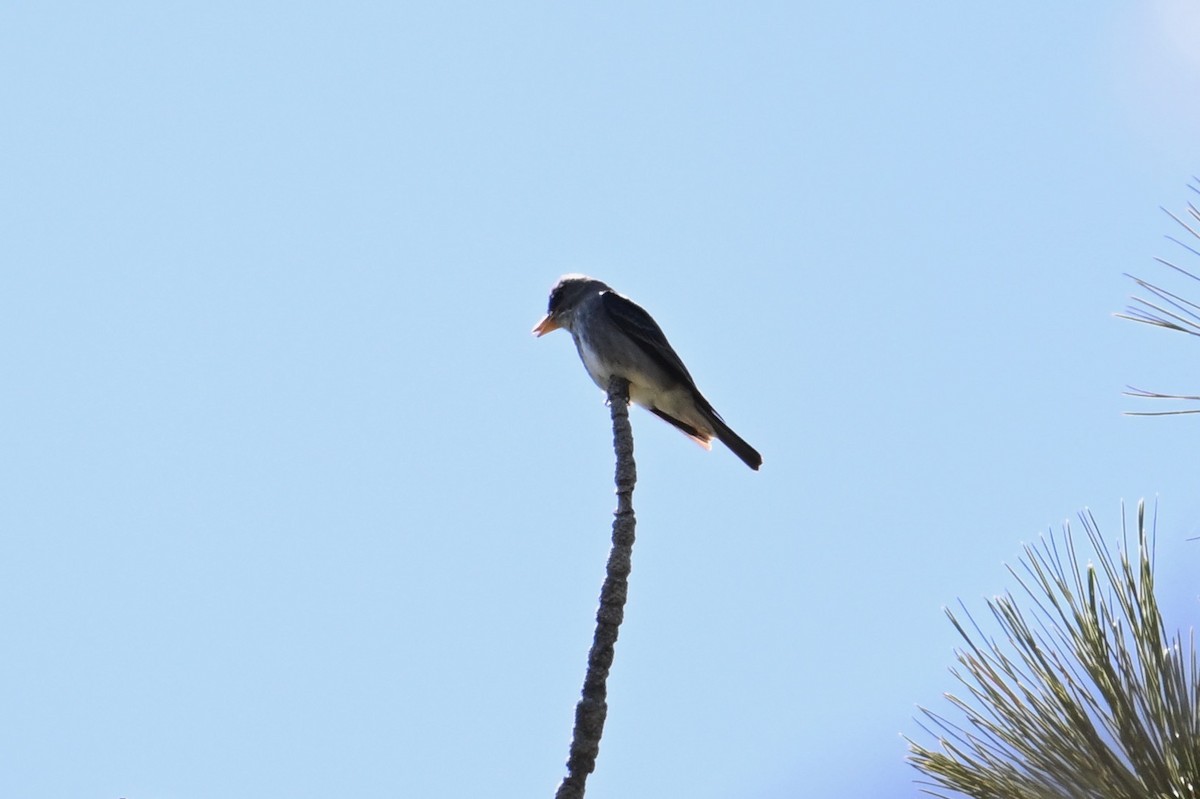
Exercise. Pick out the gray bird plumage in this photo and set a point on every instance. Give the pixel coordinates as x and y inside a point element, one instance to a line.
<point>615,336</point>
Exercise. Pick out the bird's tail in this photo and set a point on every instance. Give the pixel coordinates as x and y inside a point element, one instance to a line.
<point>736,444</point>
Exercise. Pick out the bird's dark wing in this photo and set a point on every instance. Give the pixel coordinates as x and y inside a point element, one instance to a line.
<point>634,322</point>
<point>644,332</point>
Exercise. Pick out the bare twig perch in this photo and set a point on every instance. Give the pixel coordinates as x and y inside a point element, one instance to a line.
<point>593,706</point>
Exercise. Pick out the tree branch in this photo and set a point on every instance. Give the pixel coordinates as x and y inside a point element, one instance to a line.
<point>593,706</point>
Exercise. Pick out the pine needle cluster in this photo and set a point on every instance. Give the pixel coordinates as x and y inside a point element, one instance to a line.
<point>1085,695</point>
<point>1166,309</point>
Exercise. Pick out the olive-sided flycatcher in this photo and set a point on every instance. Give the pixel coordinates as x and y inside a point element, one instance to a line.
<point>615,336</point>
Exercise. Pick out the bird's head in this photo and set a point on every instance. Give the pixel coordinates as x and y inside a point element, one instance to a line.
<point>565,298</point>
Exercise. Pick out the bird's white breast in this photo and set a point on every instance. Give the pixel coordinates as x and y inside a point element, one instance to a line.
<point>642,387</point>
<point>591,361</point>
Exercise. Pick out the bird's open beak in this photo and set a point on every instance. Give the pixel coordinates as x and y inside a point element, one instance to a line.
<point>547,324</point>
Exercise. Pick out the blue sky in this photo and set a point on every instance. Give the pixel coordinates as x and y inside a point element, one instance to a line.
<point>292,504</point>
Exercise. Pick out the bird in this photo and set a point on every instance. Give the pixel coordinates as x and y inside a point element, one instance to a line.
<point>615,336</point>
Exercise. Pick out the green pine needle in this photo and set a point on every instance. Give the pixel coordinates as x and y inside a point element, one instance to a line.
<point>1085,695</point>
